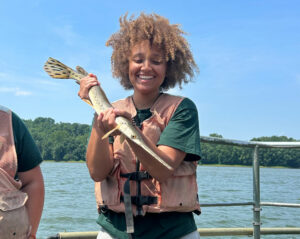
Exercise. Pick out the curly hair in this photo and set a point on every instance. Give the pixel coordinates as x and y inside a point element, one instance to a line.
<point>168,37</point>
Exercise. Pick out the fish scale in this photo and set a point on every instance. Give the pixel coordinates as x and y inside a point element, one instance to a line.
<point>100,103</point>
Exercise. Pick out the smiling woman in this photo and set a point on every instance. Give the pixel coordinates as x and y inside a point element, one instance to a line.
<point>136,194</point>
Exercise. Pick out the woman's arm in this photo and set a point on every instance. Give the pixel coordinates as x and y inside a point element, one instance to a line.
<point>171,156</point>
<point>99,155</point>
<point>33,185</point>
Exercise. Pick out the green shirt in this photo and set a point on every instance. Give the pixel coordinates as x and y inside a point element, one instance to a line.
<point>182,132</point>
<point>27,152</point>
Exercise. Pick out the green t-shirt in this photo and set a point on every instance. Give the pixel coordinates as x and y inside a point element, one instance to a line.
<point>27,152</point>
<point>182,132</point>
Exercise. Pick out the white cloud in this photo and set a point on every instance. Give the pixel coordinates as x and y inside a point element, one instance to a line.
<point>22,93</point>
<point>15,90</point>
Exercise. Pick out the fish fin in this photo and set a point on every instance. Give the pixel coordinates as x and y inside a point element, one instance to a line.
<point>88,102</point>
<point>122,138</point>
<point>58,70</point>
<point>111,131</point>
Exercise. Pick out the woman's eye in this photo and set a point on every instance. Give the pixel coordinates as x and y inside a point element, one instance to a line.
<point>156,62</point>
<point>138,60</point>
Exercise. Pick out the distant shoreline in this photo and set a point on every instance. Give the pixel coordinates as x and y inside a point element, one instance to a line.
<point>244,166</point>
<point>212,165</point>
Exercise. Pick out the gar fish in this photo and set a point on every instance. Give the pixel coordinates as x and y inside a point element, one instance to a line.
<point>100,103</point>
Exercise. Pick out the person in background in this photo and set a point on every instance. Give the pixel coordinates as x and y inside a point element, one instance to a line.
<point>21,179</point>
<point>137,196</point>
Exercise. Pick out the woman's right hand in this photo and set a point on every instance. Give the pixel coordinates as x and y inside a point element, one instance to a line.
<point>106,120</point>
<point>85,84</point>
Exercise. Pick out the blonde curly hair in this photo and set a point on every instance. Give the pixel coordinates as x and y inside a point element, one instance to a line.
<point>168,37</point>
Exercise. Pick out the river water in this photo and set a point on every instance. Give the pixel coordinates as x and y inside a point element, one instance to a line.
<point>70,204</point>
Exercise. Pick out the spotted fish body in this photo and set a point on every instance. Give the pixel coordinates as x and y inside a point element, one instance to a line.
<point>100,103</point>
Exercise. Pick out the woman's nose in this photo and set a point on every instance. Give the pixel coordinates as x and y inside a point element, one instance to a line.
<point>146,65</point>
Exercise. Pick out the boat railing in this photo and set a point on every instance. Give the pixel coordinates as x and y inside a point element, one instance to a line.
<point>256,231</point>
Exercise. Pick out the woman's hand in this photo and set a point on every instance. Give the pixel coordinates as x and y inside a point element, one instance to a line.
<point>85,84</point>
<point>106,121</point>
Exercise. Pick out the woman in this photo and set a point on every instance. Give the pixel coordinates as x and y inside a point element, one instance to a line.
<point>149,56</point>
<point>21,179</point>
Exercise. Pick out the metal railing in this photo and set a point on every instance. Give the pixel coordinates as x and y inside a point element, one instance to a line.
<point>256,231</point>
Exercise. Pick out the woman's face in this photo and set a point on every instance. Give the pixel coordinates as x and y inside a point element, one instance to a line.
<point>147,68</point>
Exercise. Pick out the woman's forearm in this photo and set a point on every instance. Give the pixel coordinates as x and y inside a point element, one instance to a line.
<point>99,157</point>
<point>171,156</point>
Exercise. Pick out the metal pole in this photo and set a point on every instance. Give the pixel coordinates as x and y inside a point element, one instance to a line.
<point>256,195</point>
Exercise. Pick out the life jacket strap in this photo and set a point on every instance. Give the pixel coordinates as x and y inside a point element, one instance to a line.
<point>141,200</point>
<point>136,176</point>
<point>128,208</point>
<point>138,200</point>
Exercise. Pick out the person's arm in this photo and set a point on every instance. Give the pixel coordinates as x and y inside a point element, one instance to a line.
<point>171,156</point>
<point>33,185</point>
<point>99,154</point>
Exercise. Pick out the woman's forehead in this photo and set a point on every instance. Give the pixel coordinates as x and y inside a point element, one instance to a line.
<point>145,47</point>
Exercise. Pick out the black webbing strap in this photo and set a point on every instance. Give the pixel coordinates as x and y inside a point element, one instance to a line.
<point>136,176</point>
<point>141,200</point>
<point>128,207</point>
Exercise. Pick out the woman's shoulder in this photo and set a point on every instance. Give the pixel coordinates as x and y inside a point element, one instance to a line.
<point>186,104</point>
<point>185,101</point>
<point>16,120</point>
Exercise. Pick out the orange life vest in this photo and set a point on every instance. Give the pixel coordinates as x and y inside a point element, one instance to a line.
<point>178,193</point>
<point>14,221</point>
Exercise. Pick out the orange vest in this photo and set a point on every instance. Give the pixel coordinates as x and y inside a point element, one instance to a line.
<point>14,221</point>
<point>178,193</point>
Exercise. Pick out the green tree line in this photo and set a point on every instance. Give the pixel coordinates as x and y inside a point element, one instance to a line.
<point>235,155</point>
<point>67,142</point>
<point>59,141</point>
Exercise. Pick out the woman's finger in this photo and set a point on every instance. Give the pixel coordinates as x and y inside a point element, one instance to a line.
<point>123,113</point>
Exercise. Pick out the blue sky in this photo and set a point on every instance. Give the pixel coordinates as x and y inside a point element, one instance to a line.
<point>248,52</point>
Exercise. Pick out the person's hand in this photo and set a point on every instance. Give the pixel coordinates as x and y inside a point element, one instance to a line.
<point>85,84</point>
<point>106,121</point>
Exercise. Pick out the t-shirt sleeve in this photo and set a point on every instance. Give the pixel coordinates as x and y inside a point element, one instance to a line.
<point>182,131</point>
<point>27,151</point>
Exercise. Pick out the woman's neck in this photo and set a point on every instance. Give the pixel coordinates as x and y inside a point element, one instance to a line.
<point>144,101</point>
